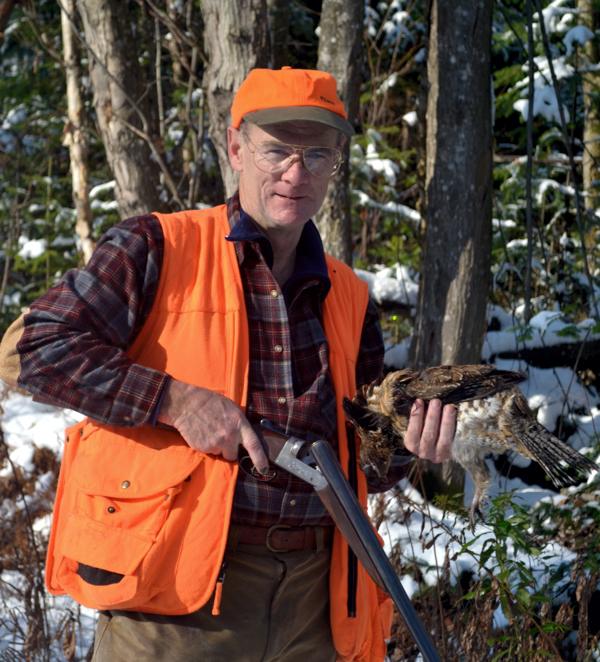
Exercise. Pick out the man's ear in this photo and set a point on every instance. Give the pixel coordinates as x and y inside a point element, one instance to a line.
<point>234,146</point>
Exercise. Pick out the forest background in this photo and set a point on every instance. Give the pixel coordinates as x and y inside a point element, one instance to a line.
<point>474,221</point>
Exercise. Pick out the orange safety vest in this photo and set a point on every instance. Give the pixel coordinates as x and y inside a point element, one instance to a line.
<point>140,502</point>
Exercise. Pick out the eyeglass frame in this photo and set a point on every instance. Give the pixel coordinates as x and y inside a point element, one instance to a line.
<point>298,151</point>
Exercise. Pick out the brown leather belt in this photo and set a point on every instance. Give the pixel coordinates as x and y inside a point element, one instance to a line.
<point>282,538</point>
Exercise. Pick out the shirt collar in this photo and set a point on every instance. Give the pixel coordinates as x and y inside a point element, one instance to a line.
<point>310,255</point>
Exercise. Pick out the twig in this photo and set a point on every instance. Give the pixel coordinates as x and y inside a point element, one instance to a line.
<point>171,26</point>
<point>159,159</point>
<point>40,36</point>
<point>158,76</point>
<point>528,172</point>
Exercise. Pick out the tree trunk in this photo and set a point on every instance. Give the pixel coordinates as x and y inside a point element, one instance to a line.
<point>235,40</point>
<point>456,262</point>
<point>340,53</point>
<point>74,136</point>
<point>279,24</point>
<point>589,15</point>
<point>453,293</point>
<point>121,107</point>
<point>6,7</point>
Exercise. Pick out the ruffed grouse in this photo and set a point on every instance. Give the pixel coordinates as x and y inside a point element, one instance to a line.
<point>493,417</point>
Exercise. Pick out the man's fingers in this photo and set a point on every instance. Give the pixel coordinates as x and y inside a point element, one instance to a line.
<point>431,430</point>
<point>252,444</point>
<point>447,430</point>
<point>414,429</point>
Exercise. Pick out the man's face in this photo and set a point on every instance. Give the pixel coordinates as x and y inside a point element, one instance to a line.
<point>285,199</point>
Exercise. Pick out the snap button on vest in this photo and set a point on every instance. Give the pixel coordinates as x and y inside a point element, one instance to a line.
<point>125,484</point>
<point>111,509</point>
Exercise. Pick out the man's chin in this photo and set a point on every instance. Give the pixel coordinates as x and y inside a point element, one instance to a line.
<point>292,212</point>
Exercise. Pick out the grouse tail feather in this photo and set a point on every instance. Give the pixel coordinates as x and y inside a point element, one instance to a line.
<point>564,465</point>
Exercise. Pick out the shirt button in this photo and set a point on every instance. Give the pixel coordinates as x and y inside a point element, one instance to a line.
<point>281,400</point>
<point>292,502</point>
<point>125,484</point>
<point>274,293</point>
<point>278,349</point>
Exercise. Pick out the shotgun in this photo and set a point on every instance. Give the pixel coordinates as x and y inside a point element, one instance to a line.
<point>317,464</point>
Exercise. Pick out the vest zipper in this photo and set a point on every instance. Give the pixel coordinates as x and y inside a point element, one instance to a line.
<point>352,560</point>
<point>216,608</point>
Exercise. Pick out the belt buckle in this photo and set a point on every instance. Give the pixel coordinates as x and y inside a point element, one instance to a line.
<point>271,530</point>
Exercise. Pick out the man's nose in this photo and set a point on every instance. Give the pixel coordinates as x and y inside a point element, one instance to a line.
<point>295,170</point>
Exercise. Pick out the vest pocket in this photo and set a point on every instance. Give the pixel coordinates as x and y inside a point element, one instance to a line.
<point>142,516</point>
<point>111,536</point>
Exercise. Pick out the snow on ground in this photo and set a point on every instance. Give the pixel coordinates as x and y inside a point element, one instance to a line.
<point>27,425</point>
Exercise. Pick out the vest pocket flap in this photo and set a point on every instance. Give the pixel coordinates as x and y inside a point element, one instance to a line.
<point>123,468</point>
<point>109,548</point>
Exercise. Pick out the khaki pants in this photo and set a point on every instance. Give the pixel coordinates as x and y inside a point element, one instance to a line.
<point>275,608</point>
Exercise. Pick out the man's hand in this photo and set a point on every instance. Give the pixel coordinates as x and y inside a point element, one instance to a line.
<point>431,430</point>
<point>210,423</point>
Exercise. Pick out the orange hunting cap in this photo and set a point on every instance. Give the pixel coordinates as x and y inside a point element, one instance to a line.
<point>268,96</point>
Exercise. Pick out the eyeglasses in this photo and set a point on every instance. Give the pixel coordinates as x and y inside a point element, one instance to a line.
<point>273,157</point>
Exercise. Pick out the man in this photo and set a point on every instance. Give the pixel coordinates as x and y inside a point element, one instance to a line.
<point>181,334</point>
